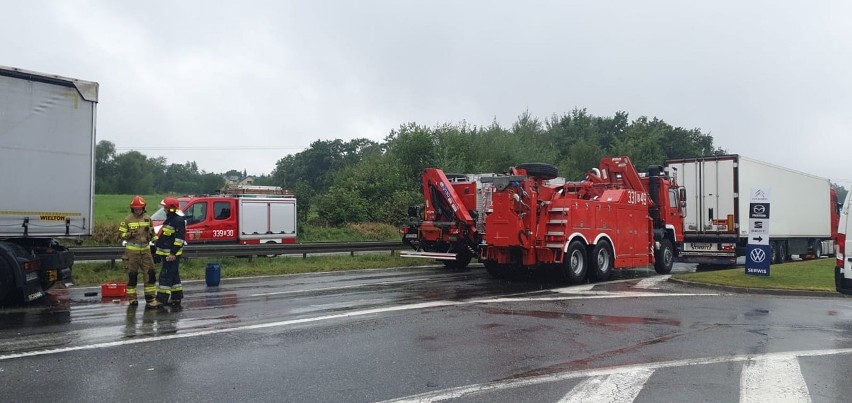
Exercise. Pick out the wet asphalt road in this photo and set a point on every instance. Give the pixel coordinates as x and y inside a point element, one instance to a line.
<point>430,334</point>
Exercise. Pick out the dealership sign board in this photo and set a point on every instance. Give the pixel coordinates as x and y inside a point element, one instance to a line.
<point>758,252</point>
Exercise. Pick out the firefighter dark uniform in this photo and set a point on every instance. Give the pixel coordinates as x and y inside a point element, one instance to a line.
<point>137,231</point>
<point>169,245</point>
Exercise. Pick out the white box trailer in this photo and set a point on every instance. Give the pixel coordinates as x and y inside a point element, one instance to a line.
<point>803,209</point>
<point>47,148</point>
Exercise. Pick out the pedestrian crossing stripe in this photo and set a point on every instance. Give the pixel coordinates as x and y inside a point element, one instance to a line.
<point>753,364</point>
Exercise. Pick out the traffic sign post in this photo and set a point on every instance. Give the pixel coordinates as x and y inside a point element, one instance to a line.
<point>758,251</point>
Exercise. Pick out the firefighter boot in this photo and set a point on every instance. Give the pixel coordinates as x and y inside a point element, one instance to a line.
<point>154,305</point>
<point>132,278</point>
<point>175,305</point>
<point>151,287</point>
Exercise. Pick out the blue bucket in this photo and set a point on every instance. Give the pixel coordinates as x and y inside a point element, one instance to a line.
<point>212,274</point>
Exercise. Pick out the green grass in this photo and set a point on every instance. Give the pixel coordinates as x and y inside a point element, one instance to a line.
<point>810,275</point>
<point>98,273</point>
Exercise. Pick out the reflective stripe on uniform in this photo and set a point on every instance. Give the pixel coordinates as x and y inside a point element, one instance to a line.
<point>136,246</point>
<point>166,252</point>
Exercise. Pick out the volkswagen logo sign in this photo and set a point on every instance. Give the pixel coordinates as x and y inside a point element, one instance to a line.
<point>758,255</point>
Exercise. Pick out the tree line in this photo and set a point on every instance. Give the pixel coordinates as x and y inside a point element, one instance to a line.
<point>340,182</point>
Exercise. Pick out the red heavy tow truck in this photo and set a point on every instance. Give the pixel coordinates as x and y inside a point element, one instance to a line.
<point>614,219</point>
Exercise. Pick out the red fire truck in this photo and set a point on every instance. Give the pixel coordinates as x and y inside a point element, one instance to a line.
<point>614,219</point>
<point>238,217</point>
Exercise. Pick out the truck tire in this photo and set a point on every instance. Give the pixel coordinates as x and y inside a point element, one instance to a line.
<point>461,262</point>
<point>817,249</point>
<point>602,261</point>
<point>664,257</point>
<point>779,252</point>
<point>7,277</point>
<point>272,255</point>
<point>496,270</point>
<point>574,267</point>
<point>540,170</point>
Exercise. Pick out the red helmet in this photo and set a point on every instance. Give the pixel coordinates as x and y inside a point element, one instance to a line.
<point>138,202</point>
<point>171,204</point>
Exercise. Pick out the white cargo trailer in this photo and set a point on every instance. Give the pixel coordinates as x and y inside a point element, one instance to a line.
<point>47,144</point>
<point>803,209</point>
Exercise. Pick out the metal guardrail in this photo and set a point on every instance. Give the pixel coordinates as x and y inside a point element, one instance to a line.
<point>115,252</point>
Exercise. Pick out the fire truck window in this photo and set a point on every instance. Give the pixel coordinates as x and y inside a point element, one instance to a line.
<point>672,199</point>
<point>196,213</point>
<point>222,210</point>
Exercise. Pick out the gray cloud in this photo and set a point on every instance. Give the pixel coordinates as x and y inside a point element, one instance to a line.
<point>240,85</point>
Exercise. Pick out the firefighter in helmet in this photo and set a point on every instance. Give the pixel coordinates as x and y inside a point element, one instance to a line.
<point>136,231</point>
<point>169,244</point>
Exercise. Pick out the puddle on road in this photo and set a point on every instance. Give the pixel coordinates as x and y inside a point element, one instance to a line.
<point>617,322</point>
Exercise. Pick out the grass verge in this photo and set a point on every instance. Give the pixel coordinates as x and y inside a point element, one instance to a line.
<point>195,269</point>
<point>809,275</point>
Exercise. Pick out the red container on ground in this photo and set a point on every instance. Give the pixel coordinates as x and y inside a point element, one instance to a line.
<point>113,289</point>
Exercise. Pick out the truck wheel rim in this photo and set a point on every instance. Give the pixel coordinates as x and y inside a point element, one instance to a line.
<point>603,260</point>
<point>576,262</point>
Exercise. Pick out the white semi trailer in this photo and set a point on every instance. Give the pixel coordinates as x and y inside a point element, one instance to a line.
<point>47,144</point>
<point>803,209</point>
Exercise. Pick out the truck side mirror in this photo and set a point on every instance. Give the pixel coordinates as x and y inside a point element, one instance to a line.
<point>682,195</point>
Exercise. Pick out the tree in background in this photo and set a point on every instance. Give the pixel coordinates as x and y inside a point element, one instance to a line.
<point>134,173</point>
<point>105,172</point>
<point>341,182</point>
<point>311,172</point>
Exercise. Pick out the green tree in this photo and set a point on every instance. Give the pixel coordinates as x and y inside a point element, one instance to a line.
<point>134,174</point>
<point>105,170</point>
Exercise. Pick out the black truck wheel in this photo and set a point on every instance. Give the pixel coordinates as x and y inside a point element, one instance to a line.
<point>8,265</point>
<point>496,270</point>
<point>574,267</point>
<point>540,170</point>
<point>602,261</point>
<point>664,258</point>
<point>461,261</point>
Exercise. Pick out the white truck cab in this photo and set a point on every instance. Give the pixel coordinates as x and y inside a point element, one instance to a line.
<point>843,248</point>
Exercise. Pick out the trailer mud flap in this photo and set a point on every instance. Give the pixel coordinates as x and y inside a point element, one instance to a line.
<point>33,292</point>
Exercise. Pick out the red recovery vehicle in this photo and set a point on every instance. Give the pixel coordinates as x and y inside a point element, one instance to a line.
<point>450,225</point>
<point>244,215</point>
<point>614,219</point>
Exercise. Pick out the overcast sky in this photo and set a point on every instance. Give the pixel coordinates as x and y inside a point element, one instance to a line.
<point>239,85</point>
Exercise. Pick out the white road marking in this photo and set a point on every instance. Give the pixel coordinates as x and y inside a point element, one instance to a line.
<point>651,282</point>
<point>470,390</point>
<point>615,388</point>
<point>344,287</point>
<point>763,380</point>
<point>228,330</point>
<point>330,317</point>
<point>574,289</point>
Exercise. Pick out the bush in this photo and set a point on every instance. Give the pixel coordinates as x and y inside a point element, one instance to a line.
<point>375,231</point>
<point>105,233</point>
